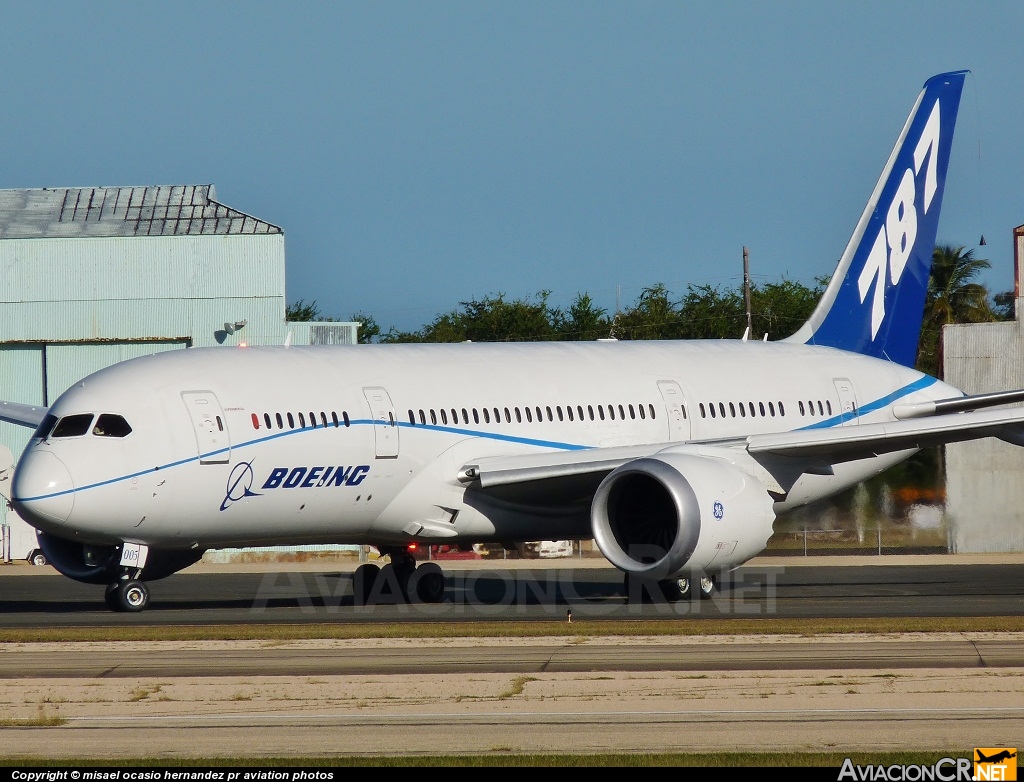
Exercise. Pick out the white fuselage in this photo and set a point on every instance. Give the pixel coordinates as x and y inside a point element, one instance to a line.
<point>230,447</point>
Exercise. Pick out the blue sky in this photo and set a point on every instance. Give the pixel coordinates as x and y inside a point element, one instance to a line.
<point>421,154</point>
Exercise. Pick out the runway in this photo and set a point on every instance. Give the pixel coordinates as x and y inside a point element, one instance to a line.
<point>587,693</point>
<point>467,696</point>
<point>484,591</point>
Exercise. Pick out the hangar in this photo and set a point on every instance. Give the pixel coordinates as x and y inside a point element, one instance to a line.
<point>97,275</point>
<point>983,499</point>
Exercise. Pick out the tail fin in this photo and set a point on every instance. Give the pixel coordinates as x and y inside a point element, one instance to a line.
<point>875,301</point>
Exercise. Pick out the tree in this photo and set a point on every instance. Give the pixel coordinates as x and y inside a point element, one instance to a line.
<point>953,297</point>
<point>301,312</point>
<point>368,328</point>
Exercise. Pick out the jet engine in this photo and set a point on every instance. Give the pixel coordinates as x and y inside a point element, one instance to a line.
<point>101,564</point>
<point>677,513</point>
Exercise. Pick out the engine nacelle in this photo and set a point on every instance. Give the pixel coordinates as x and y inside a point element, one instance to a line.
<point>101,564</point>
<point>676,513</point>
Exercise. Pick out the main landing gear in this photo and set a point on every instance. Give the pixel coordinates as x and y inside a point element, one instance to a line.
<point>672,590</point>
<point>401,580</point>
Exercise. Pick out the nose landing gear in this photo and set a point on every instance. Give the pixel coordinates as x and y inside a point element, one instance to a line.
<point>128,592</point>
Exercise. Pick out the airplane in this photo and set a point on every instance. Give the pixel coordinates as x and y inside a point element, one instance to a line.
<point>675,456</point>
<point>996,758</point>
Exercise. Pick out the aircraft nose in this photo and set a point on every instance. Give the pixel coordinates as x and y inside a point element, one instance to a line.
<point>42,489</point>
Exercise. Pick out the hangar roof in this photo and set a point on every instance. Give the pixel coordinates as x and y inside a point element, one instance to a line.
<point>169,210</point>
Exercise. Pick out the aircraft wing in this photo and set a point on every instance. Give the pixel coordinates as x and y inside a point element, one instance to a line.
<point>815,448</point>
<point>846,443</point>
<point>23,415</point>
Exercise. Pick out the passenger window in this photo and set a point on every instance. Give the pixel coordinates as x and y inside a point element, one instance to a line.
<point>600,412</point>
<point>73,425</point>
<point>760,407</point>
<point>109,425</point>
<point>732,410</point>
<point>344,415</point>
<point>643,415</point>
<point>540,414</point>
<point>323,417</point>
<point>743,411</point>
<point>280,421</point>
<point>508,416</point>
<point>579,412</point>
<point>266,420</point>
<point>821,410</point>
<point>801,405</point>
<point>771,409</point>
<point>702,413</point>
<point>829,404</point>
<point>497,416</point>
<point>487,416</point>
<point>455,416</point>
<point>519,416</point>
<point>721,409</point>
<point>476,416</point>
<point>302,421</point>
<point>529,415</point>
<point>465,416</point>
<point>611,412</point>
<point>568,409</point>
<point>782,410</point>
<point>312,419</point>
<point>412,418</point>
<point>752,411</point>
<point>291,421</point>
<point>334,418</point>
<point>632,414</point>
<point>255,421</point>
<point>651,408</point>
<point>711,407</point>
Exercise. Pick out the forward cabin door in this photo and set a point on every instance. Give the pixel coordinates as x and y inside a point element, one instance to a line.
<point>675,404</point>
<point>847,400</point>
<point>385,427</point>
<point>212,441</point>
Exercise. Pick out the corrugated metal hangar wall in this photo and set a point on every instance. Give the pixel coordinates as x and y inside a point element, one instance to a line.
<point>983,477</point>
<point>93,276</point>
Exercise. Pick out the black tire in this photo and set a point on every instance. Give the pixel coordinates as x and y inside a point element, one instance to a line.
<point>676,589</point>
<point>706,586</point>
<point>363,581</point>
<point>427,583</point>
<point>132,596</point>
<point>37,558</point>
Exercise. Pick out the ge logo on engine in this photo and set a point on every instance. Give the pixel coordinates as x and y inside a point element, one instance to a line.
<point>718,510</point>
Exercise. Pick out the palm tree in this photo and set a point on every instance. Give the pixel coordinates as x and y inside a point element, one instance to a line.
<point>953,297</point>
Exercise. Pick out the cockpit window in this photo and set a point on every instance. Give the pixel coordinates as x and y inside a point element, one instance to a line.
<point>46,426</point>
<point>110,425</point>
<point>73,425</point>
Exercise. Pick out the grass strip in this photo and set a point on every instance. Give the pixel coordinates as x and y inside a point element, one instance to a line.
<point>675,626</point>
<point>498,758</point>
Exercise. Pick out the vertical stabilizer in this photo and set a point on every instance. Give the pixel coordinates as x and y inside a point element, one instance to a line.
<point>874,303</point>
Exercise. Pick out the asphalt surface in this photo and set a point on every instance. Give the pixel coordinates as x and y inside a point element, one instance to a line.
<point>536,591</point>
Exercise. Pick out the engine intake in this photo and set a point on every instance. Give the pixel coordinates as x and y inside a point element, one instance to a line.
<point>676,513</point>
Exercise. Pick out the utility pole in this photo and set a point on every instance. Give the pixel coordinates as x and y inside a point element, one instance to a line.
<point>746,290</point>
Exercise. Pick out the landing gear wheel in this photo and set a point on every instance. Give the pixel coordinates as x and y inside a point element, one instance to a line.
<point>427,583</point>
<point>363,581</point>
<point>132,596</point>
<point>706,585</point>
<point>676,589</point>
<point>37,558</point>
